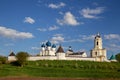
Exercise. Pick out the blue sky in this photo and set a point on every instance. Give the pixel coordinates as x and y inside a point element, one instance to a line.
<point>26,24</point>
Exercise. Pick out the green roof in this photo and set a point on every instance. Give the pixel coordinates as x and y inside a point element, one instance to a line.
<point>112,57</point>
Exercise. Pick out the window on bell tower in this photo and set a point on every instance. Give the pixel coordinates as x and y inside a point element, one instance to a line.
<point>96,53</point>
<point>97,43</point>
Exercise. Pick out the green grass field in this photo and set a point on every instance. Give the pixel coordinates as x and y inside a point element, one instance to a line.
<point>71,69</point>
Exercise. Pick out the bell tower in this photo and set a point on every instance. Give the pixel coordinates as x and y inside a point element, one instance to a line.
<point>98,42</point>
<point>98,52</point>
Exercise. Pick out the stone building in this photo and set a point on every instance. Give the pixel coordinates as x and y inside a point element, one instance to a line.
<point>98,51</point>
<point>48,49</point>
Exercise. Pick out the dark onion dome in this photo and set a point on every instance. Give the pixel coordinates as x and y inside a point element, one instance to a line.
<point>60,50</point>
<point>98,35</point>
<point>12,54</point>
<point>53,46</point>
<point>48,43</point>
<point>70,49</point>
<point>43,45</point>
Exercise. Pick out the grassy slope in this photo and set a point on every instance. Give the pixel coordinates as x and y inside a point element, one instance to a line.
<point>71,69</point>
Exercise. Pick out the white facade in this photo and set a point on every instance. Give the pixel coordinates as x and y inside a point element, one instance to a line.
<point>71,53</point>
<point>48,49</point>
<point>60,53</point>
<point>98,52</point>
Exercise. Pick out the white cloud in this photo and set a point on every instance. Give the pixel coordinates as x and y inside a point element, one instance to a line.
<point>53,28</point>
<point>74,40</point>
<point>82,38</point>
<point>113,47</point>
<point>42,29</point>
<point>87,37</point>
<point>68,19</point>
<point>91,13</point>
<point>56,6</point>
<point>112,36</point>
<point>29,20</point>
<point>11,33</point>
<point>57,38</point>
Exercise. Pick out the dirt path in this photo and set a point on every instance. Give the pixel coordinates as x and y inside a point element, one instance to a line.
<point>29,78</point>
<point>40,79</point>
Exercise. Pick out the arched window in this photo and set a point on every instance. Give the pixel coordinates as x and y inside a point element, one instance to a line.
<point>97,43</point>
<point>96,53</point>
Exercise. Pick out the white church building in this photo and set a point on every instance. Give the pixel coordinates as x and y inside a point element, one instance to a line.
<point>48,49</point>
<point>50,52</point>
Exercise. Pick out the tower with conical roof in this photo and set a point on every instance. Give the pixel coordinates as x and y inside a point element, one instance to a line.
<point>60,53</point>
<point>98,52</point>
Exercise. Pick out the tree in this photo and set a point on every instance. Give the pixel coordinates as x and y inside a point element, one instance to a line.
<point>118,57</point>
<point>3,60</point>
<point>22,58</point>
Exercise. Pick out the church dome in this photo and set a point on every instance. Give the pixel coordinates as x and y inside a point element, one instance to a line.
<point>48,43</point>
<point>43,45</point>
<point>53,46</point>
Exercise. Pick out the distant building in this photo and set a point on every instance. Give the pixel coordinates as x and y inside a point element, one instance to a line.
<point>71,53</point>
<point>113,58</point>
<point>98,52</point>
<point>60,53</point>
<point>12,57</point>
<point>48,49</point>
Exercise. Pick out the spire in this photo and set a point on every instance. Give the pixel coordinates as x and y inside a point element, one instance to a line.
<point>98,35</point>
<point>60,50</point>
<point>12,53</point>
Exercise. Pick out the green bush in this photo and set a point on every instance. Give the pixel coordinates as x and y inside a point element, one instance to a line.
<point>3,60</point>
<point>118,57</point>
<point>22,58</point>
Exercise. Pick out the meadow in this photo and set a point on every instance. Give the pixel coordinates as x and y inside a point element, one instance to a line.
<point>62,69</point>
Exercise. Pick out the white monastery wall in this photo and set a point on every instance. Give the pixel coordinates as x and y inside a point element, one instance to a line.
<point>35,58</point>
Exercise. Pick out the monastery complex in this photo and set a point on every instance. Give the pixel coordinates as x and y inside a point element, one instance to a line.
<point>50,52</point>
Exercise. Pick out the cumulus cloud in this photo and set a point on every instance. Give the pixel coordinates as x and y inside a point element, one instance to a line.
<point>56,6</point>
<point>113,47</point>
<point>53,28</point>
<point>91,13</point>
<point>29,20</point>
<point>112,36</point>
<point>57,38</point>
<point>42,29</point>
<point>11,33</point>
<point>74,40</point>
<point>82,38</point>
<point>87,37</point>
<point>68,19</point>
